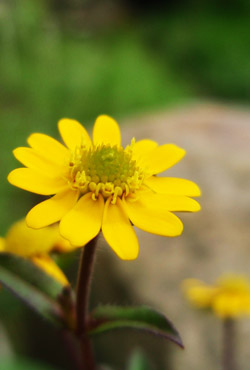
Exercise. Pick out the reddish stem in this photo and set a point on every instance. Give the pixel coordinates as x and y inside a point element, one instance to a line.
<point>82,303</point>
<point>229,342</point>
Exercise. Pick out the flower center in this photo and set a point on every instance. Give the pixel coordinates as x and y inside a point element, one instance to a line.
<point>105,169</point>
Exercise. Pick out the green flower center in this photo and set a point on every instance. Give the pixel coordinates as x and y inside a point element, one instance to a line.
<point>105,169</point>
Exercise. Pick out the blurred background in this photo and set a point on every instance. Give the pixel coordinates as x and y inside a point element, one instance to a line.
<point>168,70</point>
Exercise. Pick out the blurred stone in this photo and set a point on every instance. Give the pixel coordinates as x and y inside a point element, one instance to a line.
<point>214,241</point>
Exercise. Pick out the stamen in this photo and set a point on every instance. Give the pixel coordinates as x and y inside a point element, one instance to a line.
<point>107,170</point>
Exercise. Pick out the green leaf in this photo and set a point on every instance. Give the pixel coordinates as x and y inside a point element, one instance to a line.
<point>19,363</point>
<point>31,273</point>
<point>105,318</point>
<point>32,285</point>
<point>138,361</point>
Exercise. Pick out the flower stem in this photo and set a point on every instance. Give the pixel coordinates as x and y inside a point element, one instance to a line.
<point>71,347</point>
<point>228,355</point>
<point>82,303</point>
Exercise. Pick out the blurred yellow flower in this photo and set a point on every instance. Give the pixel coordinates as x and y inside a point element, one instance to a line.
<point>229,297</point>
<point>99,185</point>
<point>2,244</point>
<point>36,245</point>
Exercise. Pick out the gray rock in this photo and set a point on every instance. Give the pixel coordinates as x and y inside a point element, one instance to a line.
<point>214,241</point>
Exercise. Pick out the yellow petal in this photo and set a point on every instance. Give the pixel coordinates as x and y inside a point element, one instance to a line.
<point>228,306</point>
<point>29,158</point>
<point>142,147</point>
<point>51,210</point>
<point>118,231</point>
<point>28,179</point>
<point>83,222</point>
<point>48,265</point>
<point>232,282</point>
<point>49,148</point>
<point>162,158</point>
<point>2,244</point>
<point>198,293</point>
<point>172,185</point>
<point>62,246</point>
<point>73,133</point>
<point>24,241</point>
<point>173,203</point>
<point>106,131</point>
<point>147,217</point>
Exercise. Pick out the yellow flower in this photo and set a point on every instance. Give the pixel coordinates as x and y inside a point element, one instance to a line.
<point>2,244</point>
<point>229,297</point>
<point>99,185</point>
<point>36,245</point>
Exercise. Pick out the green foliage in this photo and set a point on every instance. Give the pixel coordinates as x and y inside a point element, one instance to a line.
<point>105,318</point>
<point>30,272</point>
<point>48,73</point>
<point>138,361</point>
<point>206,49</point>
<point>22,364</point>
<point>32,285</point>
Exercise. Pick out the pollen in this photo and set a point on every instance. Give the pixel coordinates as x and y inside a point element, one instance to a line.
<point>104,169</point>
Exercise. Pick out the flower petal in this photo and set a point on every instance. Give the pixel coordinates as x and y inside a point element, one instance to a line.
<point>30,158</point>
<point>2,244</point>
<point>173,185</point>
<point>142,147</point>
<point>199,294</point>
<point>173,203</point>
<point>73,133</point>
<point>49,148</point>
<point>84,221</point>
<point>151,218</point>
<point>118,231</point>
<point>26,242</point>
<point>106,131</point>
<point>28,179</point>
<point>226,305</point>
<point>63,246</point>
<point>47,264</point>
<point>51,210</point>
<point>162,158</point>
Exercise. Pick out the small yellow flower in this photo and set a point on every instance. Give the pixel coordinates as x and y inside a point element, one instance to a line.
<point>2,244</point>
<point>229,297</point>
<point>36,245</point>
<point>99,185</point>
